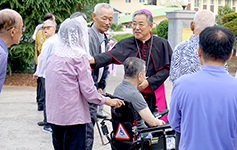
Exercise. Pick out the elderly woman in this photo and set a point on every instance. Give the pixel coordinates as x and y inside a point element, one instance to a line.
<point>69,86</point>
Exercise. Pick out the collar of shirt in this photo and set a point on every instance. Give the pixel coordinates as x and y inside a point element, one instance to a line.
<point>3,45</point>
<point>194,37</point>
<point>212,68</point>
<point>101,38</point>
<point>146,41</point>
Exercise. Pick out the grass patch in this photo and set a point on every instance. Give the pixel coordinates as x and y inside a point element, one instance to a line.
<point>122,36</point>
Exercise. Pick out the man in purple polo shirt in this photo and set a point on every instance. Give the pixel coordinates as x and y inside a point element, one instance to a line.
<point>11,27</point>
<point>203,105</point>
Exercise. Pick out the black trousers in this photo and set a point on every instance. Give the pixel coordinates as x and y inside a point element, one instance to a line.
<point>90,126</point>
<point>177,139</point>
<point>40,95</point>
<point>69,137</point>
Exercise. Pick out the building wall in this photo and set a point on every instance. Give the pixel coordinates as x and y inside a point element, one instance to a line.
<point>127,7</point>
<point>130,8</point>
<point>157,20</point>
<point>210,6</point>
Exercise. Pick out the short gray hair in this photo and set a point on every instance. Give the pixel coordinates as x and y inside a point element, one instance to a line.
<point>203,19</point>
<point>133,66</point>
<point>52,22</point>
<point>98,7</point>
<point>148,16</point>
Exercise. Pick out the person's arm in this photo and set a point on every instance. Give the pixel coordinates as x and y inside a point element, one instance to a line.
<point>102,83</point>
<point>42,59</point>
<point>87,88</point>
<point>174,115</point>
<point>175,63</point>
<point>148,117</point>
<point>157,79</point>
<point>3,69</point>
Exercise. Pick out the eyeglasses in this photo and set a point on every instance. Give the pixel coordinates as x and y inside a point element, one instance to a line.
<point>47,27</point>
<point>23,28</point>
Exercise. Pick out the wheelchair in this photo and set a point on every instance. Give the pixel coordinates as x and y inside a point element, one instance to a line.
<point>126,135</point>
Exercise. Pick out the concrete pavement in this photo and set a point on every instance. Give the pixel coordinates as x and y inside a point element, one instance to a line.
<point>19,117</point>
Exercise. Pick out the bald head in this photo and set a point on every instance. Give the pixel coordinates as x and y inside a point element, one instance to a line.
<point>203,19</point>
<point>9,18</point>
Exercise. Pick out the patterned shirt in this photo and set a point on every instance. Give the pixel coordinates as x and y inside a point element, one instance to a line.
<point>185,58</point>
<point>3,62</point>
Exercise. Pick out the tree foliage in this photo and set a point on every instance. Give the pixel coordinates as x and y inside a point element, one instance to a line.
<point>32,12</point>
<point>222,11</point>
<point>230,22</point>
<point>162,29</point>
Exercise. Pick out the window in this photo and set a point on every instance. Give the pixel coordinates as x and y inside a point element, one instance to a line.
<point>212,2</point>
<point>219,2</point>
<point>141,1</point>
<point>227,2</point>
<point>127,13</point>
<point>233,2</point>
<point>204,1</point>
<point>127,1</point>
<point>152,2</point>
<point>196,3</point>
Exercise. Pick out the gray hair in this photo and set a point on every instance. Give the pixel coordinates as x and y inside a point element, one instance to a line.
<point>203,19</point>
<point>133,66</point>
<point>8,19</point>
<point>148,16</point>
<point>50,21</point>
<point>77,14</point>
<point>98,7</point>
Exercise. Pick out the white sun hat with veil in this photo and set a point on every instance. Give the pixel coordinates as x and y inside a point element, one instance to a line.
<point>73,41</point>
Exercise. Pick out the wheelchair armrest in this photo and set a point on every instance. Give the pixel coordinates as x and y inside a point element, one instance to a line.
<point>161,113</point>
<point>155,129</point>
<point>111,96</point>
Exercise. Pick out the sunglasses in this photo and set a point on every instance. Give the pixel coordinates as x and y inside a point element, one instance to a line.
<point>47,27</point>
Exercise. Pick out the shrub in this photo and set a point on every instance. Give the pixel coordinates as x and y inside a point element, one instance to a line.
<point>119,27</point>
<point>115,27</point>
<point>154,30</point>
<point>122,36</point>
<point>229,17</point>
<point>222,11</point>
<point>162,29</point>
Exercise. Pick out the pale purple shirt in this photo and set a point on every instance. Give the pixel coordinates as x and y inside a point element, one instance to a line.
<point>69,88</point>
<point>3,62</point>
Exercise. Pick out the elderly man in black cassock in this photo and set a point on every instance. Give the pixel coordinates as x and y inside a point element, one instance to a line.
<point>155,51</point>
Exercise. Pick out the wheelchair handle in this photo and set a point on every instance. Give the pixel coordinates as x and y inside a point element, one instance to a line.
<point>161,113</point>
<point>111,96</point>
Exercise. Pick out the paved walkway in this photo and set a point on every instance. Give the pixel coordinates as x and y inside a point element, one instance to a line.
<point>19,117</point>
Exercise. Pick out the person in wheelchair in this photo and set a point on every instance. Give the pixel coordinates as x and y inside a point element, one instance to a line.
<point>134,75</point>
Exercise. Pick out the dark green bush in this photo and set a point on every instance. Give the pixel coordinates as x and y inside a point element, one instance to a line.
<point>162,29</point>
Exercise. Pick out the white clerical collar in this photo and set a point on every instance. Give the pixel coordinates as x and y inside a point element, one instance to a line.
<point>147,39</point>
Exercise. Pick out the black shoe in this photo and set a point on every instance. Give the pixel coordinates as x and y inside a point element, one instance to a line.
<point>101,117</point>
<point>40,123</point>
<point>40,108</point>
<point>47,129</point>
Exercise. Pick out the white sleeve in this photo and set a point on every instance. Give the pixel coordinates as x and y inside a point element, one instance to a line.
<point>43,58</point>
